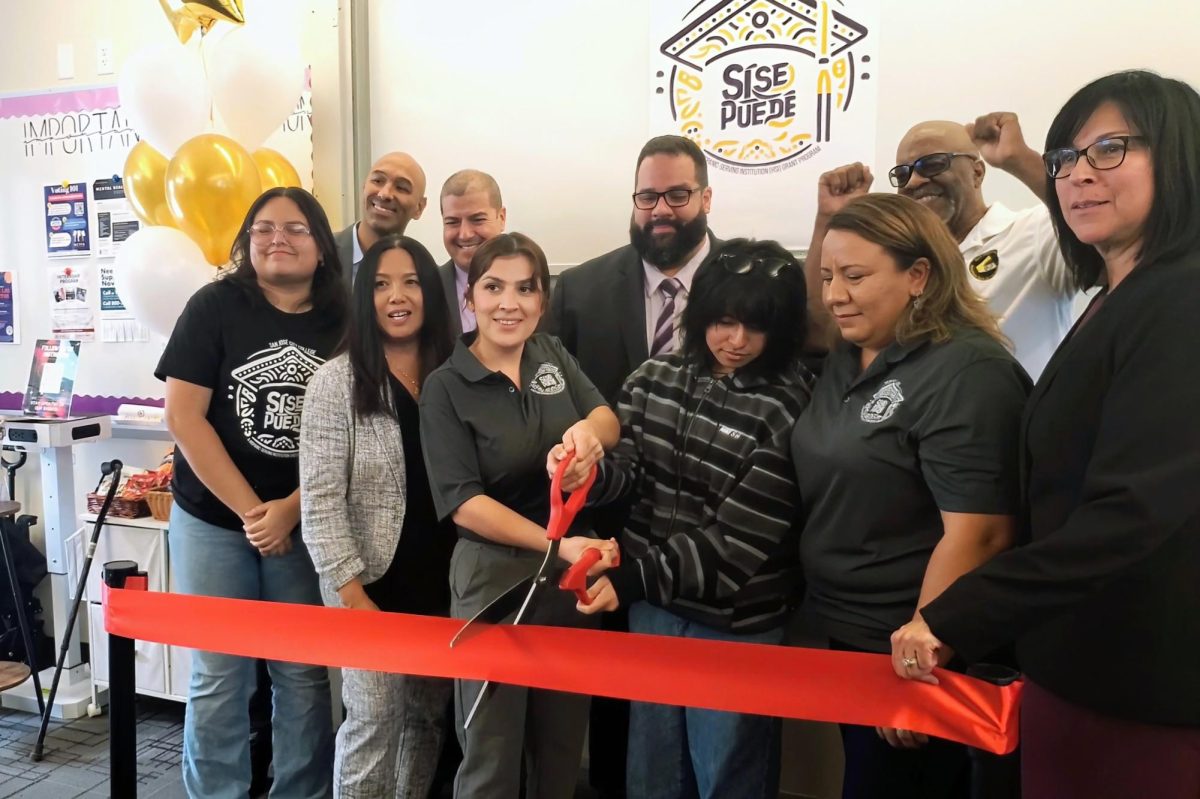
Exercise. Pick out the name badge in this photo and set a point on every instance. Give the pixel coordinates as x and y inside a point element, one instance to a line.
<point>983,267</point>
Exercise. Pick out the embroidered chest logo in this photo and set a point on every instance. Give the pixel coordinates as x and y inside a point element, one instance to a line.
<point>268,396</point>
<point>548,381</point>
<point>885,402</point>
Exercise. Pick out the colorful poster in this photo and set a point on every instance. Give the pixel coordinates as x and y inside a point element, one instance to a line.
<point>774,92</point>
<point>115,220</point>
<point>72,302</point>
<point>68,232</point>
<point>52,379</point>
<point>8,308</point>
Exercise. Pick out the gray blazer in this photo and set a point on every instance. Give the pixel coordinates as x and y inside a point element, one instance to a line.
<point>344,239</point>
<point>352,485</point>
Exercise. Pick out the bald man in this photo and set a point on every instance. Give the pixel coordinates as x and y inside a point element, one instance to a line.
<point>393,194</point>
<point>472,212</point>
<point>1012,257</point>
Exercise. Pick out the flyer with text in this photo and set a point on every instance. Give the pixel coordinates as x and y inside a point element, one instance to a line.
<point>67,230</point>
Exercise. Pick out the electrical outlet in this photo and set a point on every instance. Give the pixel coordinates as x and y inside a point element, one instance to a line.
<point>104,57</point>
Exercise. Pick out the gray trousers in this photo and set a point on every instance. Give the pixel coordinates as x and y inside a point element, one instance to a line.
<point>389,744</point>
<point>544,729</point>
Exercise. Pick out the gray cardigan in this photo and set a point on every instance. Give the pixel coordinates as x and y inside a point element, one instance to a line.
<point>352,486</point>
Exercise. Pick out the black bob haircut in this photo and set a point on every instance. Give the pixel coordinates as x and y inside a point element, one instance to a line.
<point>1166,113</point>
<point>364,340</point>
<point>775,305</point>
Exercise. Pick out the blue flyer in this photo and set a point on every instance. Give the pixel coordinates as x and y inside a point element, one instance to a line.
<point>67,231</point>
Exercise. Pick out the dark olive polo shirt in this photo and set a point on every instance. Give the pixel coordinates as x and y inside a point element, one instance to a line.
<point>484,435</point>
<point>880,453</point>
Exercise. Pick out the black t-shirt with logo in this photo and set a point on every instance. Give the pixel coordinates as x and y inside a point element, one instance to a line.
<point>880,453</point>
<point>483,435</point>
<point>257,360</point>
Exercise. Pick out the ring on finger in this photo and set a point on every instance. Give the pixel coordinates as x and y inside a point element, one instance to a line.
<point>908,663</point>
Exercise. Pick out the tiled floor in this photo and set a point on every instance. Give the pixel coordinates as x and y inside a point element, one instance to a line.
<point>76,755</point>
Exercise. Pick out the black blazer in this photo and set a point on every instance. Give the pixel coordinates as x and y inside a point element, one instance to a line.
<point>598,309</point>
<point>446,273</point>
<point>1103,597</point>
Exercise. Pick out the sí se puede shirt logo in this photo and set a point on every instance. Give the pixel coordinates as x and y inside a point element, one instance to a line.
<point>548,380</point>
<point>759,84</point>
<point>881,406</point>
<point>268,396</point>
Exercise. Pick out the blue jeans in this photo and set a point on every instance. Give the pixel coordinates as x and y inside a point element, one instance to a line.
<point>212,561</point>
<point>681,752</point>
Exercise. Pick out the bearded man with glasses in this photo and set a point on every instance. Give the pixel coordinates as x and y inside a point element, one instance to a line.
<point>1012,257</point>
<point>618,310</point>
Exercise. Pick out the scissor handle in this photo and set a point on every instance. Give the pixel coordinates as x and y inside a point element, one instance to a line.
<point>563,513</point>
<point>575,578</point>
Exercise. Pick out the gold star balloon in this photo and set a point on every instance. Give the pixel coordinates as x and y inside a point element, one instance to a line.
<point>187,17</point>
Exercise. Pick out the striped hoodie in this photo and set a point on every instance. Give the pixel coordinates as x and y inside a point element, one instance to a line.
<point>712,535</point>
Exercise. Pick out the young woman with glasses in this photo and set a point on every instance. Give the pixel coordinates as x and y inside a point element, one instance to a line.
<point>367,510</point>
<point>236,368</point>
<point>906,459</point>
<point>710,549</point>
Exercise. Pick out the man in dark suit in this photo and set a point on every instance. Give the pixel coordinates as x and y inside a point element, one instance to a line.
<point>472,213</point>
<point>615,311</point>
<point>393,194</point>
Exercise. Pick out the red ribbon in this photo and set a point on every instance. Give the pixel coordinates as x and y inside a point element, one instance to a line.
<point>788,682</point>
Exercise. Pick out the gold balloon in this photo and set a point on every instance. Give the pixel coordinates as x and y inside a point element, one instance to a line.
<point>275,170</point>
<point>186,17</point>
<point>211,183</point>
<point>144,179</point>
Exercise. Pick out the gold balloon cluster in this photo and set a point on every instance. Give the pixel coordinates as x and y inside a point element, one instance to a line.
<point>207,187</point>
<point>205,190</point>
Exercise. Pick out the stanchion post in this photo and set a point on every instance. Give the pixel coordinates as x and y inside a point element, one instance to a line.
<point>995,776</point>
<point>122,715</point>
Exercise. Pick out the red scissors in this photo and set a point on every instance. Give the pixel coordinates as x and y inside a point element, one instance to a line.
<point>520,597</point>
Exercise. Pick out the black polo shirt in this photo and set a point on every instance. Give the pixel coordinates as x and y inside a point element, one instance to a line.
<point>928,427</point>
<point>484,435</point>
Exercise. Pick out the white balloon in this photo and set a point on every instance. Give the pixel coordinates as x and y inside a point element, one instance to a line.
<point>256,75</point>
<point>156,271</point>
<point>164,93</point>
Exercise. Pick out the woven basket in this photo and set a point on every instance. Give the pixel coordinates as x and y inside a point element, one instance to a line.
<point>160,504</point>
<point>120,509</point>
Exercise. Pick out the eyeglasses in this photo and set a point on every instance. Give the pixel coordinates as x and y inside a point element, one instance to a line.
<point>1105,154</point>
<point>738,264</point>
<point>926,166</point>
<point>676,198</point>
<point>265,231</point>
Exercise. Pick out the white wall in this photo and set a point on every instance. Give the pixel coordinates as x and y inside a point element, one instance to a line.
<point>551,96</point>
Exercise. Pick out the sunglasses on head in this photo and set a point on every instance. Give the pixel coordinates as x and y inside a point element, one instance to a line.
<point>926,166</point>
<point>739,264</point>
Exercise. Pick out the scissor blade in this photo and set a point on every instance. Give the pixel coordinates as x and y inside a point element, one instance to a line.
<point>499,608</point>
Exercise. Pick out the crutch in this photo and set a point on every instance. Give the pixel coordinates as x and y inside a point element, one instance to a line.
<point>113,468</point>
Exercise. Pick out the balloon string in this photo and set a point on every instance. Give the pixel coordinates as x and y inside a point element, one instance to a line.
<point>212,122</point>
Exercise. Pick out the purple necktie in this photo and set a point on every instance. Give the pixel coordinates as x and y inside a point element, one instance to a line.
<point>664,328</point>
